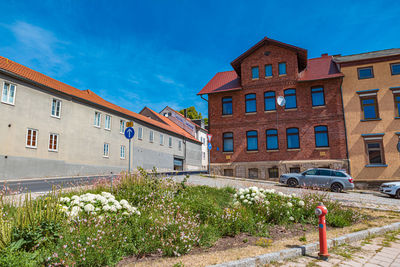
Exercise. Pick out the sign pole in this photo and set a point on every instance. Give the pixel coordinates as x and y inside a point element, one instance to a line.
<point>129,133</point>
<point>129,166</point>
<point>208,161</point>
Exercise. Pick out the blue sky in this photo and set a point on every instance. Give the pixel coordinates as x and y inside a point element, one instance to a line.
<point>157,53</point>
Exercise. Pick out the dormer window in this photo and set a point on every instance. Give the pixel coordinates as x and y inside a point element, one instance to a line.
<point>282,68</point>
<point>254,73</point>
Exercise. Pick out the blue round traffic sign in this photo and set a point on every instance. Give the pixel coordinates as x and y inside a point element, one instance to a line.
<point>209,146</point>
<point>129,132</point>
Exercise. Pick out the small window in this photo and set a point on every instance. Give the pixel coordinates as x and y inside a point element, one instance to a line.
<point>107,122</point>
<point>282,68</point>
<point>375,152</point>
<point>268,70</point>
<point>122,152</point>
<point>290,98</point>
<point>97,119</point>
<point>179,145</point>
<point>121,126</point>
<point>227,105</point>
<point>253,173</point>
<point>170,141</point>
<point>161,139</point>
<point>56,108</point>
<point>294,170</point>
<point>310,172</point>
<point>151,136</point>
<point>252,141</point>
<point>31,138</point>
<point>321,136</point>
<point>369,107</point>
<point>339,174</point>
<point>204,155</point>
<point>251,103</point>
<point>140,133</point>
<point>53,142</point>
<point>293,140</point>
<point>395,68</point>
<point>8,95</point>
<point>269,101</point>
<point>324,173</point>
<point>254,72</point>
<point>273,172</point>
<point>397,104</point>
<point>272,139</point>
<point>228,172</point>
<point>317,96</point>
<point>228,142</point>
<point>365,73</point>
<point>106,150</point>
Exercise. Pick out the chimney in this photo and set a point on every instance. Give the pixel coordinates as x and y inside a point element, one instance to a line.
<point>185,112</point>
<point>324,55</point>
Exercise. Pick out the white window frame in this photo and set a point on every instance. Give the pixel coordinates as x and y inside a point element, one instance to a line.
<point>122,152</point>
<point>170,141</point>
<point>161,139</point>
<point>140,133</point>
<point>106,152</point>
<point>151,136</point>
<point>7,101</point>
<point>52,149</point>
<point>57,101</point>
<point>97,125</point>
<point>26,138</point>
<point>107,127</point>
<point>121,126</point>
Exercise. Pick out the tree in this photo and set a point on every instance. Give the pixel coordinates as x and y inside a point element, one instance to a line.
<point>193,114</point>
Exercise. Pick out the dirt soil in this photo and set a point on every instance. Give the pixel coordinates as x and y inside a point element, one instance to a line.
<point>244,245</point>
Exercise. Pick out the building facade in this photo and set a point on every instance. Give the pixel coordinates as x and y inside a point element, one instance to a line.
<point>371,99</point>
<point>52,129</point>
<point>276,112</point>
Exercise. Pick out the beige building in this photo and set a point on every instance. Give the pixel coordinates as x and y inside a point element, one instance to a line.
<point>49,128</point>
<point>371,99</point>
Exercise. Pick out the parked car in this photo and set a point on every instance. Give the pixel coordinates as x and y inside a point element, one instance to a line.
<point>392,189</point>
<point>335,180</point>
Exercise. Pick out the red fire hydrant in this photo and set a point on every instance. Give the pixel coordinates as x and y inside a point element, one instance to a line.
<point>321,211</point>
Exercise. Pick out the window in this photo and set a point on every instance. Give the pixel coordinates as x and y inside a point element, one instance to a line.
<point>122,152</point>
<point>273,172</point>
<point>8,95</point>
<point>121,126</point>
<point>161,139</point>
<point>170,141</point>
<point>204,155</point>
<point>311,172</point>
<point>365,73</point>
<point>282,68</point>
<point>106,150</point>
<point>269,101</point>
<point>252,141</point>
<point>324,173</point>
<point>375,152</point>
<point>97,119</point>
<point>227,142</point>
<point>107,122</point>
<point>268,71</point>
<point>56,108</point>
<point>294,170</point>
<point>227,105</point>
<point>397,104</point>
<point>251,103</point>
<point>395,68</point>
<point>31,138</point>
<point>292,135</point>
<point>321,136</point>
<point>254,72</point>
<point>228,172</point>
<point>369,107</point>
<point>253,173</point>
<point>140,133</point>
<point>339,174</point>
<point>151,136</point>
<point>53,142</point>
<point>317,96</point>
<point>272,139</point>
<point>180,145</point>
<point>290,97</point>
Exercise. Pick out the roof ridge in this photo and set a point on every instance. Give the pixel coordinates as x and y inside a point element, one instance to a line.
<point>370,52</point>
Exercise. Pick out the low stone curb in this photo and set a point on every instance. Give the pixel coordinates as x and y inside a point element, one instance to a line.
<point>291,253</point>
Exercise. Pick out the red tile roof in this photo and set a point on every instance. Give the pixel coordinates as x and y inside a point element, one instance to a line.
<point>37,77</point>
<point>317,69</point>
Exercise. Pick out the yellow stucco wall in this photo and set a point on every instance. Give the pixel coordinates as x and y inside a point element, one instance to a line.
<point>383,80</point>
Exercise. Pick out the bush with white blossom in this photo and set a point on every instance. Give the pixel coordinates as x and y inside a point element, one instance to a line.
<point>96,204</point>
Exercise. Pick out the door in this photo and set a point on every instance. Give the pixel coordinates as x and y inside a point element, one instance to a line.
<point>323,178</point>
<point>307,177</point>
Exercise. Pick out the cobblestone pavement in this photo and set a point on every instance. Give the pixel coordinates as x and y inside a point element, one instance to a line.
<point>381,251</point>
<point>370,200</point>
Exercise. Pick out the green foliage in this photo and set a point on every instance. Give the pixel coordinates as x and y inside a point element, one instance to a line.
<point>5,232</point>
<point>192,113</point>
<point>264,242</point>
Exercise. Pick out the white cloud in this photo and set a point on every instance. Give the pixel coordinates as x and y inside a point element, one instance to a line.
<point>168,80</point>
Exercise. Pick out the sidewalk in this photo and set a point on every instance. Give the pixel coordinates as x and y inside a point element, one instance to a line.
<point>379,251</point>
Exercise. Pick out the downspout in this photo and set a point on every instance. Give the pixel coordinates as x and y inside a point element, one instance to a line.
<point>184,155</point>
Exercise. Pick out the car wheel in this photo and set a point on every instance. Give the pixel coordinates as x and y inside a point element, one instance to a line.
<point>336,187</point>
<point>292,182</point>
<point>398,194</point>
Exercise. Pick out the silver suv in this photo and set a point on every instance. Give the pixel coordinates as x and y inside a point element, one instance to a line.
<point>335,180</point>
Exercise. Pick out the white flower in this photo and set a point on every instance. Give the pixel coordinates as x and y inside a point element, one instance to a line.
<point>123,202</point>
<point>89,208</point>
<point>280,194</point>
<point>241,197</point>
<point>236,203</point>
<point>266,202</point>
<point>245,201</point>
<point>256,198</point>
<point>106,208</point>
<point>113,208</point>
<point>293,195</point>
<point>291,218</point>
<point>75,202</point>
<point>290,204</point>
<point>125,213</point>
<point>301,203</point>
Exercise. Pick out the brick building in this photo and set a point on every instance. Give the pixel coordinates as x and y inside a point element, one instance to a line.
<point>255,137</point>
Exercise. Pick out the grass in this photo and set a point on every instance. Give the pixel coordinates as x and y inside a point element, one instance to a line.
<point>345,250</point>
<point>389,238</point>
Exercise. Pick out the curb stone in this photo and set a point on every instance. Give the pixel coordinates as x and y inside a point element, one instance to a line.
<point>291,253</point>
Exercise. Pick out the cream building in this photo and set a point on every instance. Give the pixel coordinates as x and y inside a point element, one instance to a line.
<point>49,128</point>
